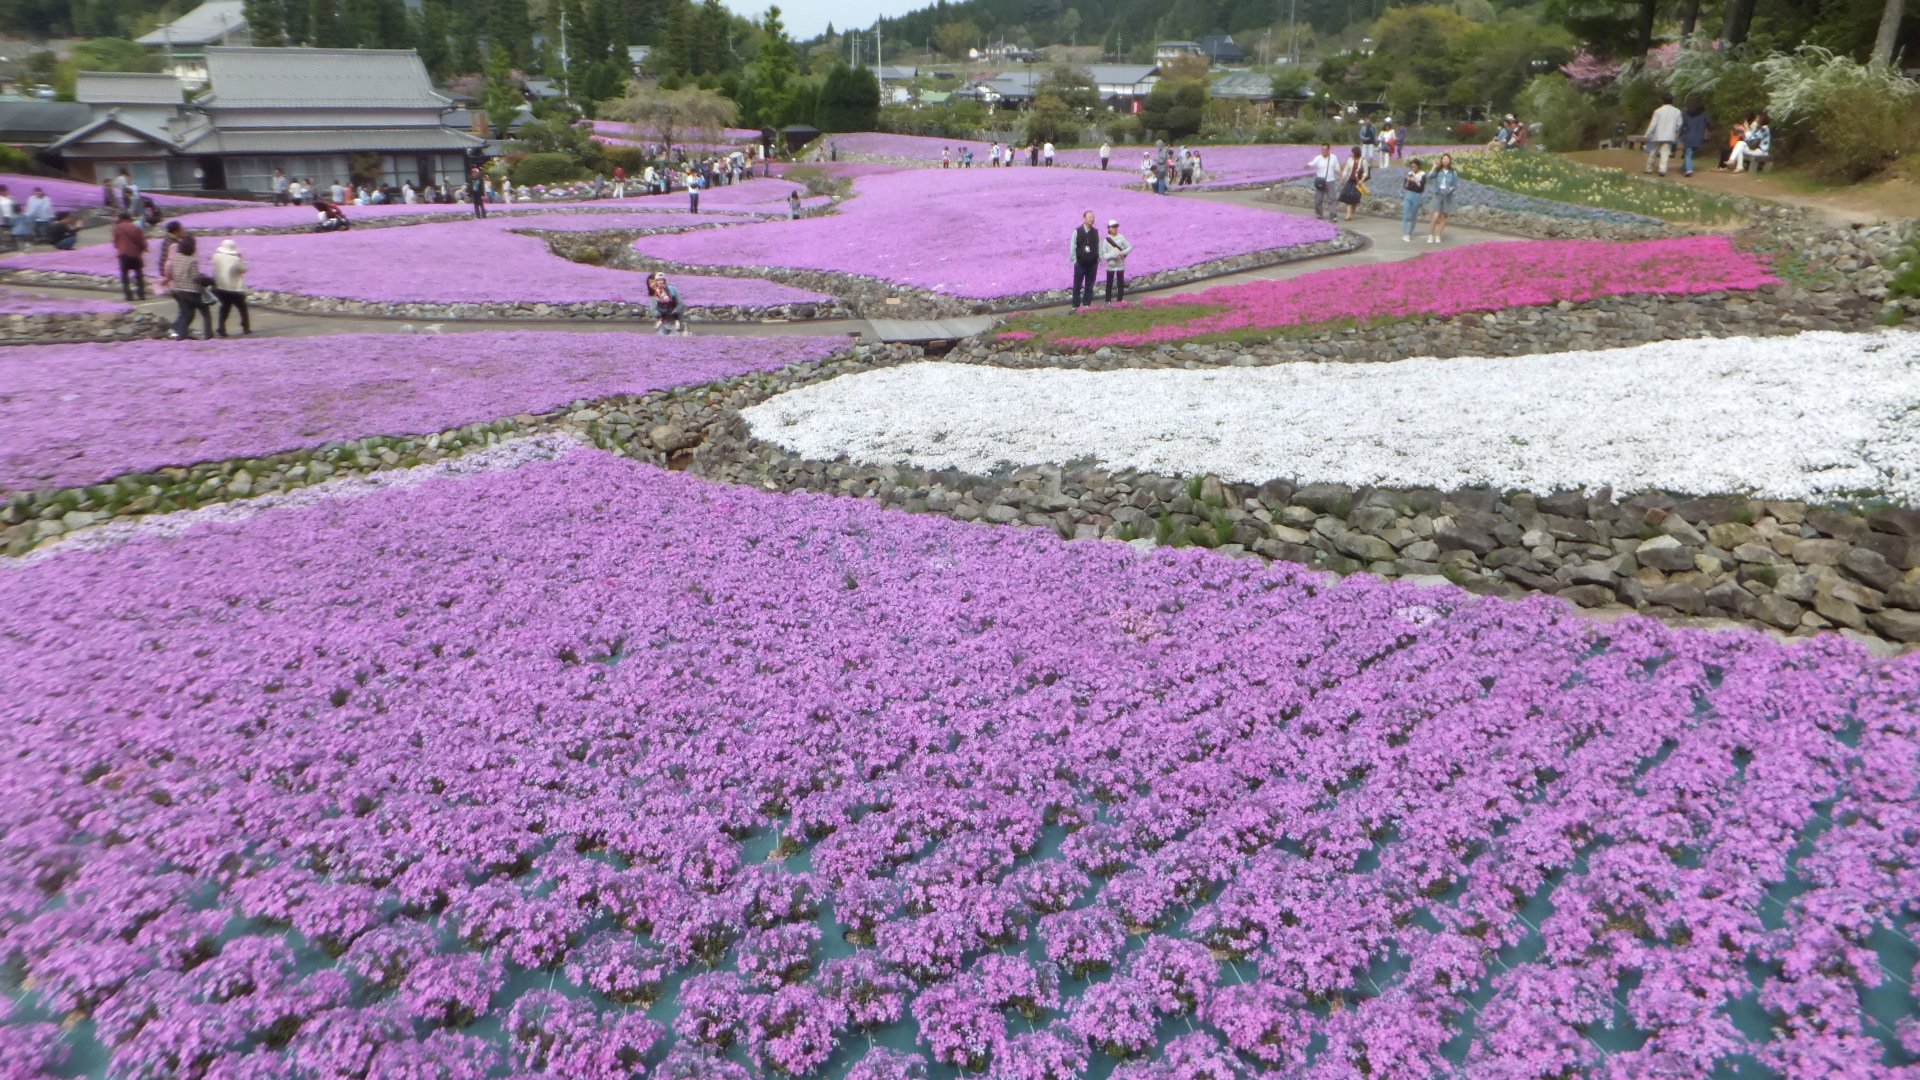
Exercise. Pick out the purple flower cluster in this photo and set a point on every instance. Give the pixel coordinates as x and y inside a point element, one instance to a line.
<point>74,195</point>
<point>457,778</point>
<point>983,233</point>
<point>469,262</point>
<point>630,213</point>
<point>15,303</point>
<point>155,404</point>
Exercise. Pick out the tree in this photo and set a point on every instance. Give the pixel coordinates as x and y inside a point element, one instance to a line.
<point>507,26</point>
<point>849,100</point>
<point>671,115</point>
<point>1074,88</point>
<point>770,82</point>
<point>1176,107</point>
<point>432,36</point>
<point>712,40</point>
<point>955,39</point>
<point>1052,120</point>
<point>1889,34</point>
<point>102,54</point>
<point>267,22</point>
<point>465,59</point>
<point>502,98</point>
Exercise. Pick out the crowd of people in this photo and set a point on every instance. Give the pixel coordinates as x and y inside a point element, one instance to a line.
<point>195,291</point>
<point>1672,129</point>
<point>33,220</point>
<point>1342,182</point>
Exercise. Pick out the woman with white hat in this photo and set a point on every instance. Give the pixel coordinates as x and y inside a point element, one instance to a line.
<point>1114,248</point>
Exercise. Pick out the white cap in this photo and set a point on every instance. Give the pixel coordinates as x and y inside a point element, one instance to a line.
<point>1111,222</point>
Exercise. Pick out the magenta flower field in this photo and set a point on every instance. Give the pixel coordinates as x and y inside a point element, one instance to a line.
<point>74,195</point>
<point>302,217</point>
<point>15,303</point>
<point>587,769</point>
<point>160,403</point>
<point>441,263</point>
<point>1484,277</point>
<point>984,233</point>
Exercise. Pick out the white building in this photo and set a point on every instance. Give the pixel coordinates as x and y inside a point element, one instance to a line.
<point>185,40</point>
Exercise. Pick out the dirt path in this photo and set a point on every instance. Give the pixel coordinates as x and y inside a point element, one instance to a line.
<point>1891,199</point>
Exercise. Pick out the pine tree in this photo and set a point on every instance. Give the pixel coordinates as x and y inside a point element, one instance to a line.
<point>465,59</point>
<point>509,27</point>
<point>391,27</point>
<point>771,90</point>
<point>324,29</point>
<point>267,19</point>
<point>713,45</point>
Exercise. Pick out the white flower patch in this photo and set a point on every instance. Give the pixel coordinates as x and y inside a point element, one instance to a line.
<point>1817,416</point>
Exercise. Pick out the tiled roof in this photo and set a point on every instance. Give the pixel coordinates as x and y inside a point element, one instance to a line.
<point>127,88</point>
<point>334,141</point>
<point>318,79</point>
<point>207,24</point>
<point>40,121</point>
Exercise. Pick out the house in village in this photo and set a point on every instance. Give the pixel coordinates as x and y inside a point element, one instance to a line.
<point>366,115</point>
<point>1118,85</point>
<point>183,43</point>
<point>1168,51</point>
<point>1222,51</point>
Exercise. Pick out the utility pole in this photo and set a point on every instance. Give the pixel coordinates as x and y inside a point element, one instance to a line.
<point>878,64</point>
<point>1293,53</point>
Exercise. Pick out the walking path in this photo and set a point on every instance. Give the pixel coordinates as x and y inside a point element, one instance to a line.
<point>1382,234</point>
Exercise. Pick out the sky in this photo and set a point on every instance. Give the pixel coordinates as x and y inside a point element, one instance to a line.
<point>808,18</point>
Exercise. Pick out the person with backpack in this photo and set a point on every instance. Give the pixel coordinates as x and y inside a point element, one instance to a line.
<point>130,248</point>
<point>230,285</point>
<point>1353,181</point>
<point>1114,249</point>
<point>1086,260</point>
<point>189,288</point>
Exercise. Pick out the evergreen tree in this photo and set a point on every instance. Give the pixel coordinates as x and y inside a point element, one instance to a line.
<point>466,44</point>
<point>391,27</point>
<point>713,46</point>
<point>502,98</point>
<point>509,27</point>
<point>770,89</point>
<point>673,52</point>
<point>431,34</point>
<point>324,29</point>
<point>267,19</point>
<point>849,100</point>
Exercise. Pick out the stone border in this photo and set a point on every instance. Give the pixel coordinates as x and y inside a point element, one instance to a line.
<point>69,328</point>
<point>300,304</point>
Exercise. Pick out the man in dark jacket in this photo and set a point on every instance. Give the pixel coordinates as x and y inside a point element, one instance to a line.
<point>477,192</point>
<point>1086,260</point>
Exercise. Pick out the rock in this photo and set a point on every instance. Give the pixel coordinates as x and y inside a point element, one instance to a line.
<point>1727,596</point>
<point>1899,551</point>
<point>1897,520</point>
<point>1275,495</point>
<point>1363,547</point>
<point>1756,553</point>
<point>1664,553</point>
<point>1905,595</point>
<point>1712,510</point>
<point>1592,574</point>
<point>1422,551</point>
<point>1776,610</point>
<point>1730,535</point>
<point>1837,611</point>
<point>1898,625</point>
<point>1588,596</point>
<point>1002,514</point>
<point>1687,599</point>
<point>1853,593</point>
<point>1819,552</point>
<point>670,437</point>
<point>1372,519</point>
<point>1333,499</point>
<point>1570,504</point>
<point>1840,526</point>
<point>1678,528</point>
<point>1465,538</point>
<point>1211,492</point>
<point>1870,567</point>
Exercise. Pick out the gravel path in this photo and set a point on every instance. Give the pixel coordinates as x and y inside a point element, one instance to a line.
<point>1818,416</point>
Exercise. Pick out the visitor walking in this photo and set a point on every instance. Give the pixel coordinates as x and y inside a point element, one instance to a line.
<point>130,249</point>
<point>694,184</point>
<point>1663,134</point>
<point>1326,181</point>
<point>230,285</point>
<point>189,287</point>
<point>1086,260</point>
<point>279,188</point>
<point>169,240</point>
<point>946,158</point>
<point>1353,181</point>
<point>1442,182</point>
<point>1114,248</point>
<point>1694,125</point>
<point>1046,153</point>
<point>19,224</point>
<point>1369,139</point>
<point>663,301</point>
<point>1389,141</point>
<point>477,192</point>
<point>1106,155</point>
<point>793,205</point>
<point>1413,193</point>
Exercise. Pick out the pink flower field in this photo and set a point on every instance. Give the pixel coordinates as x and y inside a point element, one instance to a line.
<point>985,233</point>
<point>302,217</point>
<point>74,195</point>
<point>468,262</point>
<point>13,303</point>
<point>1484,277</point>
<point>153,404</point>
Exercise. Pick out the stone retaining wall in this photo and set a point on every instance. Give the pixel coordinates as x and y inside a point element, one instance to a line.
<point>599,310</point>
<point>80,326</point>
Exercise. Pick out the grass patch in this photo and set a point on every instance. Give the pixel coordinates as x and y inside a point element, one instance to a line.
<point>1547,176</point>
<point>1047,330</point>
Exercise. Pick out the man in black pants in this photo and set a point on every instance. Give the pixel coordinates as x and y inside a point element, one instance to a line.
<point>477,191</point>
<point>1086,260</point>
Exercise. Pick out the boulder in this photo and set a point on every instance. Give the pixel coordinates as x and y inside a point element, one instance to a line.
<point>1664,553</point>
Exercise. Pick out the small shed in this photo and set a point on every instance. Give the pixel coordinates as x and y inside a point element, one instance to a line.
<point>796,136</point>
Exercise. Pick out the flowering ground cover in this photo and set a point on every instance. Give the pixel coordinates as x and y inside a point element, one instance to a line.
<point>302,217</point>
<point>542,772</point>
<point>1534,423</point>
<point>74,195</point>
<point>1471,193</point>
<point>984,233</point>
<point>159,403</point>
<point>439,263</point>
<point>1452,281</point>
<point>1554,178</point>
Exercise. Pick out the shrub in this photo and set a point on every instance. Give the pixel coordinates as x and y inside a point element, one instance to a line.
<point>1126,128</point>
<point>14,161</point>
<point>1846,119</point>
<point>550,168</point>
<point>1566,115</point>
<point>631,158</point>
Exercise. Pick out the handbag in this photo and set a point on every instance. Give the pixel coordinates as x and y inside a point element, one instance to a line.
<point>1362,188</point>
